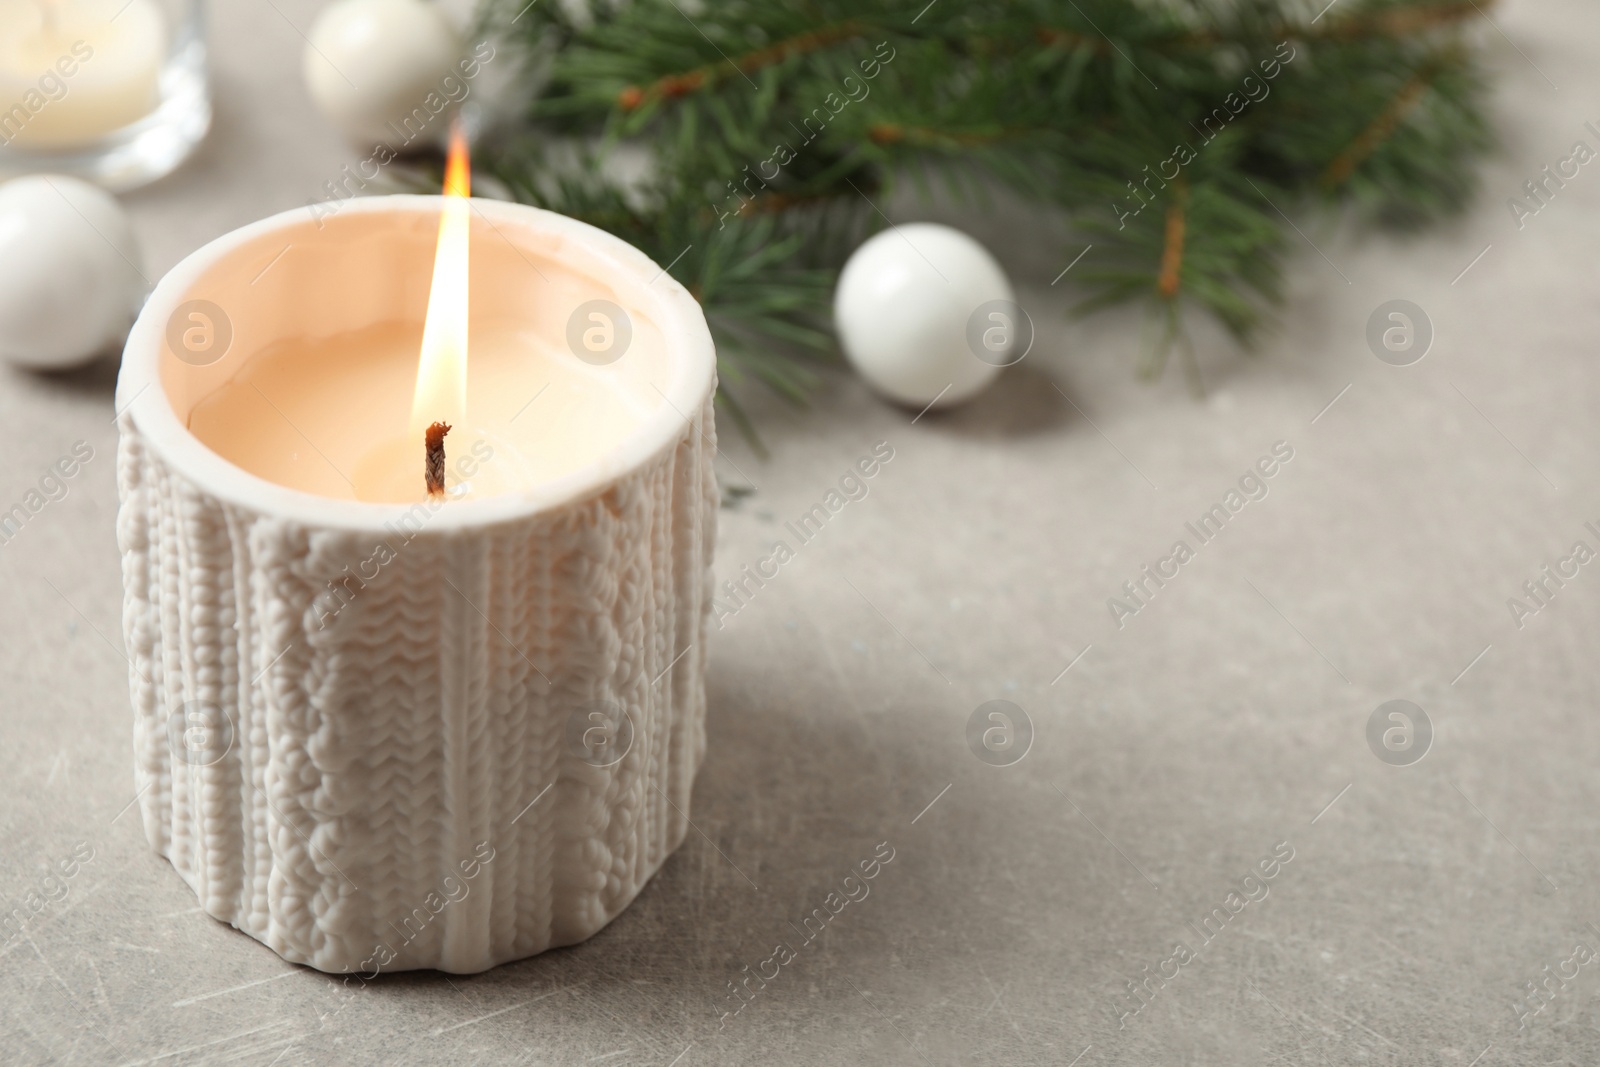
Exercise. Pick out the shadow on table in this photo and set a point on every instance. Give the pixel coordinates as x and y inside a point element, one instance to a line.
<point>796,793</point>
<point>96,378</point>
<point>1024,401</point>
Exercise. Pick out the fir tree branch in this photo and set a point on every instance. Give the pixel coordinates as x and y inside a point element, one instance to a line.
<point>1380,129</point>
<point>1075,105</point>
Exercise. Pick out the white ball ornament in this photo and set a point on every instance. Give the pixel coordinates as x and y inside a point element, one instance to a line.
<point>370,64</point>
<point>925,313</point>
<point>70,281</point>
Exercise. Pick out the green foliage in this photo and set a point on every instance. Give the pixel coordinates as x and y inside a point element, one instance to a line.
<point>771,131</point>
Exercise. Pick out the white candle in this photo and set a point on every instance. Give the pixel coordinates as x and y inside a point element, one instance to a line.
<point>344,415</point>
<point>324,325</point>
<point>72,71</point>
<point>415,686</point>
<point>328,415</point>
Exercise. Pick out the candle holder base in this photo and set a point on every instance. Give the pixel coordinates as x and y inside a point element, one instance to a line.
<point>418,748</point>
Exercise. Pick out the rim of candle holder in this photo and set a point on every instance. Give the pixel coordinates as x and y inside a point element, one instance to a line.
<point>691,351</point>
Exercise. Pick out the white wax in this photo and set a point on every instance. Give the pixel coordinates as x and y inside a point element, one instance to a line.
<point>308,371</point>
<point>330,415</point>
<point>72,71</point>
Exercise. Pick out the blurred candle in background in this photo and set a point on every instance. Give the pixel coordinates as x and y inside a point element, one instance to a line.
<point>73,71</point>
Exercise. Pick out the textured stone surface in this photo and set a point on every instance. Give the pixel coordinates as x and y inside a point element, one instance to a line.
<point>361,746</point>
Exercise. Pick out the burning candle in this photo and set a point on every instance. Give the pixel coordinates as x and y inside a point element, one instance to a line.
<point>378,728</point>
<point>72,71</point>
<point>344,413</point>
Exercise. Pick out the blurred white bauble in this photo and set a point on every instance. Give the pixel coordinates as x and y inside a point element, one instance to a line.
<point>370,64</point>
<point>70,275</point>
<point>924,312</point>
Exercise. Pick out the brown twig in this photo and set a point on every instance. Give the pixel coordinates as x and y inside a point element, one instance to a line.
<point>1402,22</point>
<point>1049,35</point>
<point>1171,275</point>
<point>776,203</point>
<point>673,86</point>
<point>1396,22</point>
<point>1380,129</point>
<point>887,133</point>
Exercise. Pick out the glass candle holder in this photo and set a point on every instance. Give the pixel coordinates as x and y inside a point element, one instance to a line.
<point>113,91</point>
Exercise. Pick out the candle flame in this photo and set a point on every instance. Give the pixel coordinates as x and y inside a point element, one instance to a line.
<point>441,394</point>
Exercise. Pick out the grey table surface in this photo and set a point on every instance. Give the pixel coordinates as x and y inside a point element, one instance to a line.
<point>1225,720</point>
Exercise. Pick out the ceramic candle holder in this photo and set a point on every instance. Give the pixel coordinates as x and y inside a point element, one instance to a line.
<point>384,737</point>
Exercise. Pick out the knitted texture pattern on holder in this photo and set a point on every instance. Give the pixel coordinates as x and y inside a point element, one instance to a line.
<point>383,772</point>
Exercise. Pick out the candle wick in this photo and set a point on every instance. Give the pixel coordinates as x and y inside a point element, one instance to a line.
<point>433,471</point>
